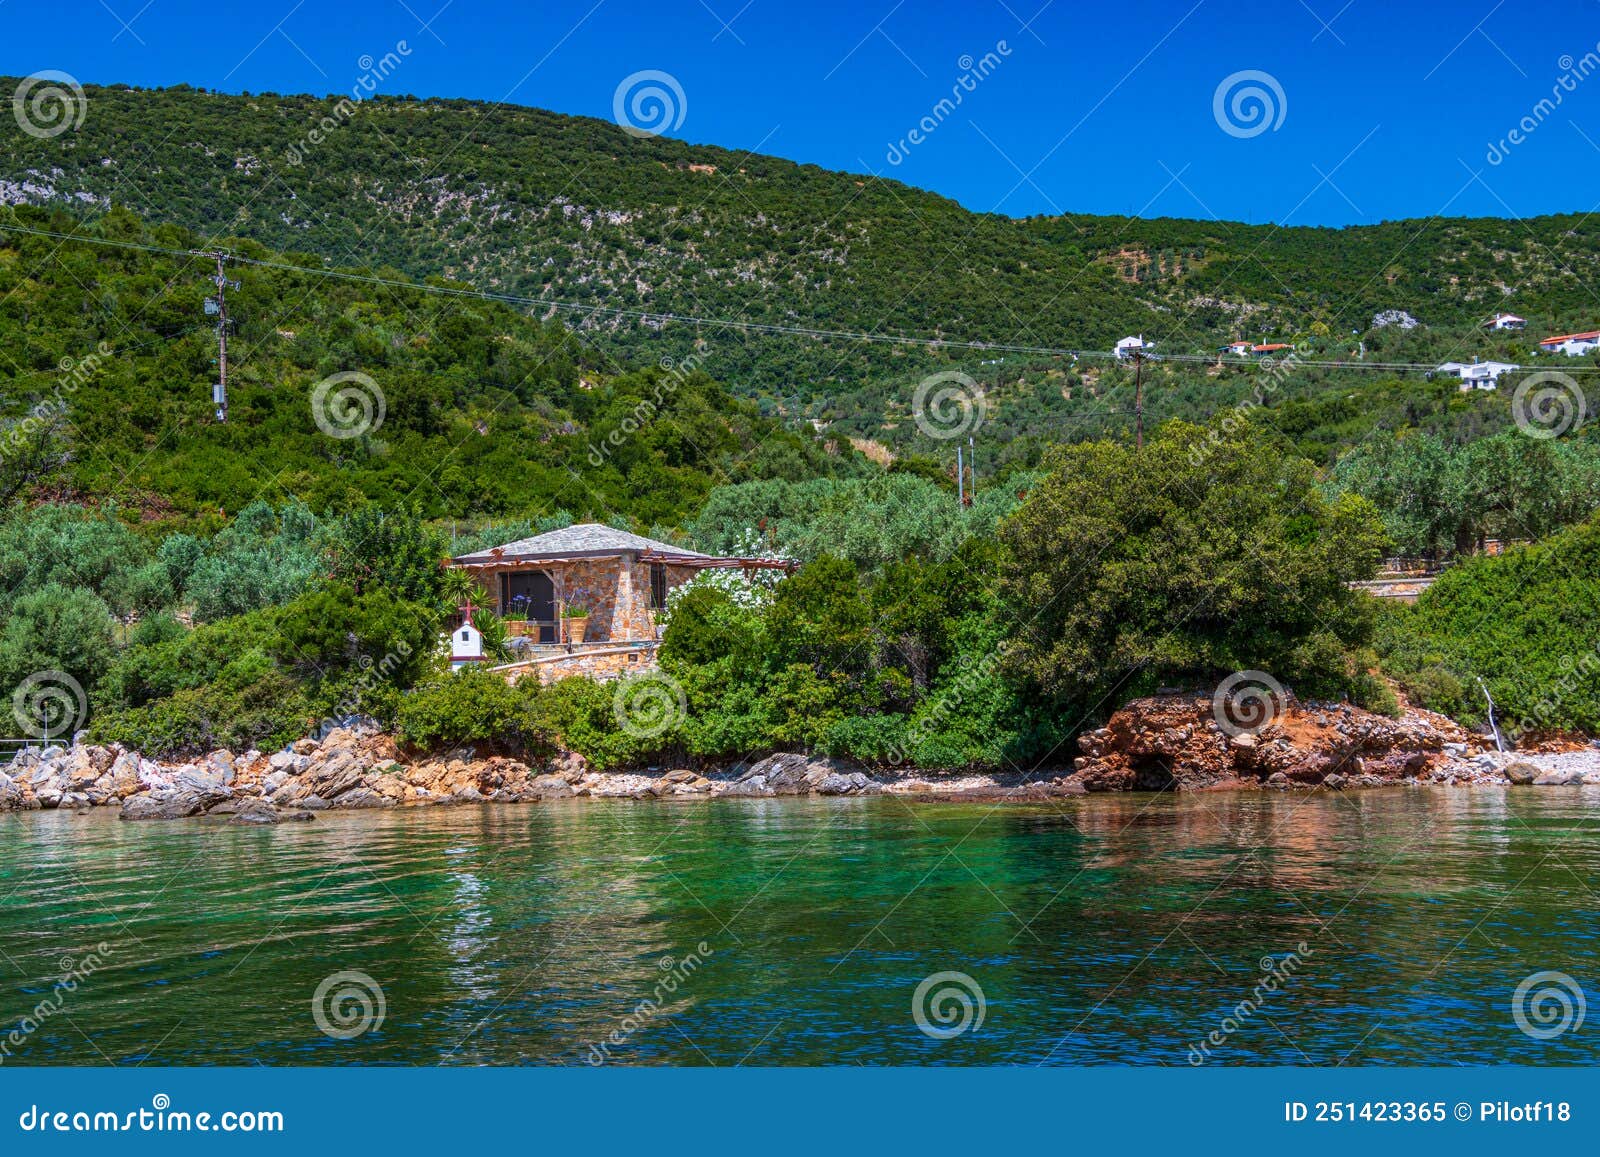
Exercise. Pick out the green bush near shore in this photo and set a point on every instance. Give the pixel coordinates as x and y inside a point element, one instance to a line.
<point>469,707</point>
<point>1208,552</point>
<point>1526,622</point>
<point>900,666</point>
<point>262,679</point>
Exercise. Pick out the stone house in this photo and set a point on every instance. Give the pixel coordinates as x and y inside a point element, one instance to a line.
<point>620,579</point>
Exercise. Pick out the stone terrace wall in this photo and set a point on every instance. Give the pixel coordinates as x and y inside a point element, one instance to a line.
<point>598,663</point>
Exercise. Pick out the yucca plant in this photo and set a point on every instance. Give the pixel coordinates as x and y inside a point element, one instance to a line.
<point>496,638</point>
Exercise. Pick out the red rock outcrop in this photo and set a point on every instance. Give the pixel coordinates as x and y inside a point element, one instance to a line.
<point>1178,742</point>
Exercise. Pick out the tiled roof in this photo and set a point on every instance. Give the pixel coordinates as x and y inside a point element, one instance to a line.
<point>1590,336</point>
<point>586,538</point>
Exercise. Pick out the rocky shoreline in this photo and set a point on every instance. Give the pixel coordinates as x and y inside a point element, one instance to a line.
<point>1182,742</point>
<point>353,768</point>
<point>1167,742</point>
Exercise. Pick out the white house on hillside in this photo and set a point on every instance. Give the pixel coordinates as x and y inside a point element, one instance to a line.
<point>1129,346</point>
<point>1505,321</point>
<point>1247,349</point>
<point>1572,344</point>
<point>1477,375</point>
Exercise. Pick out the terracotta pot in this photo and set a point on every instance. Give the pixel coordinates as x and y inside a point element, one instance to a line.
<point>576,629</point>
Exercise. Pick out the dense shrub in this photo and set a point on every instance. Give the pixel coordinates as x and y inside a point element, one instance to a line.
<point>466,708</point>
<point>1208,552</point>
<point>83,549</point>
<point>1439,497</point>
<point>897,667</point>
<point>265,712</point>
<point>165,663</point>
<point>333,629</point>
<point>389,548</point>
<point>1526,622</point>
<point>56,628</point>
<point>581,715</point>
<point>267,674</point>
<point>262,558</point>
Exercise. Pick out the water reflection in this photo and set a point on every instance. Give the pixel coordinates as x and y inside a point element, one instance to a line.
<point>1107,929</point>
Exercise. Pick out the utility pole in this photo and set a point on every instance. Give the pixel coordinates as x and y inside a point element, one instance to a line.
<point>218,306</point>
<point>972,465</point>
<point>961,479</point>
<point>1138,399</point>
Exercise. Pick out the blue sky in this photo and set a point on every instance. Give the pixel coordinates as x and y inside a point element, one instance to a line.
<point>1389,109</point>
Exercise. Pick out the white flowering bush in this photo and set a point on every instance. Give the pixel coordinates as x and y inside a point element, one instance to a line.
<point>752,590</point>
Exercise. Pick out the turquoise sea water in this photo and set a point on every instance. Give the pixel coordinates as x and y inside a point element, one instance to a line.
<point>1118,930</point>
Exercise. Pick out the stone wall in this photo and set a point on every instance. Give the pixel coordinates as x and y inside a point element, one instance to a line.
<point>601,585</point>
<point>600,663</point>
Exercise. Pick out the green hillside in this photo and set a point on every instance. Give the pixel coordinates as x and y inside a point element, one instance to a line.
<point>464,408</point>
<point>573,209</point>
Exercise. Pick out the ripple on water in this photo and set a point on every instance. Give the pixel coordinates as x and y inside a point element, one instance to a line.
<point>1104,930</point>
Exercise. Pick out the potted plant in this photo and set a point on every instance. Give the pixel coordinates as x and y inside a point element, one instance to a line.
<point>576,618</point>
<point>517,616</point>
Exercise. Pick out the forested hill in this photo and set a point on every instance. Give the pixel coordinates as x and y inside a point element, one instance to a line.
<point>341,393</point>
<point>575,209</point>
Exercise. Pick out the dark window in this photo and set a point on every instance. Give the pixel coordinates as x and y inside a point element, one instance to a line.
<point>658,586</point>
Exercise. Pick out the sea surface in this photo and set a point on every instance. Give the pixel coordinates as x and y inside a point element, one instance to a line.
<point>1381,927</point>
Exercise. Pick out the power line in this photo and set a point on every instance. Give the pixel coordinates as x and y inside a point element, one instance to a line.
<point>551,304</point>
